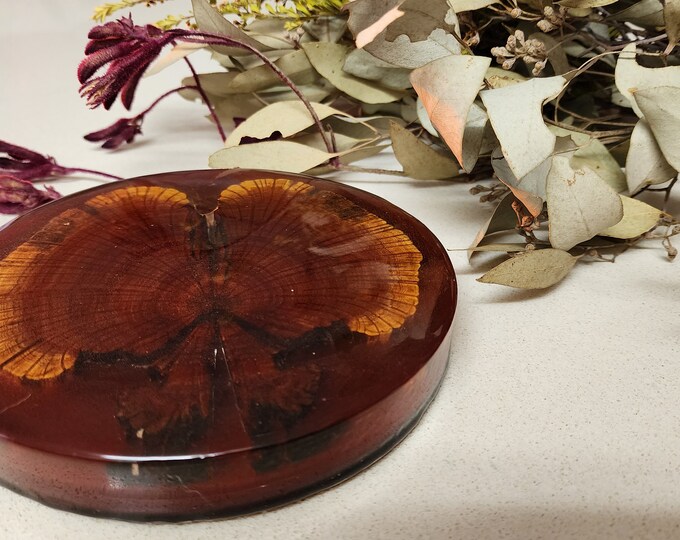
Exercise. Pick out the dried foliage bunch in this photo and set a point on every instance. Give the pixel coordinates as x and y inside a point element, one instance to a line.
<point>544,104</point>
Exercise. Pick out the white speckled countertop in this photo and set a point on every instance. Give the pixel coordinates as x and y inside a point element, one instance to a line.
<point>558,417</point>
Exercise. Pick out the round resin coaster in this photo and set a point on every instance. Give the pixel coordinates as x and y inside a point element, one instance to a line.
<point>213,343</point>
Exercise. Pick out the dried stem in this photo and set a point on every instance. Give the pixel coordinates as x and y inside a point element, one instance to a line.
<point>163,96</point>
<point>206,100</point>
<point>216,39</point>
<point>71,170</point>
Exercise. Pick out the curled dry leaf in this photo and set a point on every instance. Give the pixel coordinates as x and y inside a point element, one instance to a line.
<point>424,119</point>
<point>286,117</point>
<point>631,77</point>
<point>530,189</point>
<point>638,218</point>
<point>516,115</point>
<point>284,156</point>
<point>329,58</point>
<point>593,154</point>
<point>422,35</point>
<point>645,163</point>
<point>208,19</point>
<point>660,108</point>
<point>580,204</point>
<point>418,159</point>
<point>535,269</point>
<point>447,88</point>
<point>502,219</point>
<point>473,138</point>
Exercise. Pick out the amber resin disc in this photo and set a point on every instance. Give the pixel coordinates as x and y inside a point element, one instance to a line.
<point>213,343</point>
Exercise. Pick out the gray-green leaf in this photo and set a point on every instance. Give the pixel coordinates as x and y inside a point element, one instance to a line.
<point>536,269</point>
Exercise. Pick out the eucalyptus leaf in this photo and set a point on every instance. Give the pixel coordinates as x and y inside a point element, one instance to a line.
<point>369,18</point>
<point>473,138</point>
<point>535,269</point>
<point>235,106</point>
<point>448,88</point>
<point>671,17</point>
<point>329,58</point>
<point>594,155</point>
<point>421,35</point>
<point>361,152</point>
<point>215,84</point>
<point>646,13</point>
<point>516,115</point>
<point>286,117</point>
<point>314,139</point>
<point>660,108</point>
<point>498,78</point>
<point>583,4</point>
<point>580,204</point>
<point>295,66</point>
<point>532,183</point>
<point>209,20</point>
<point>424,119</point>
<point>284,156</point>
<point>364,65</point>
<point>638,218</point>
<point>645,163</point>
<point>418,159</point>
<point>459,6</point>
<point>631,77</point>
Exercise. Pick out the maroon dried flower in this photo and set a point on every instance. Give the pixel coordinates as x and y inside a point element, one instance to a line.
<point>123,130</point>
<point>26,164</point>
<point>17,195</point>
<point>128,50</point>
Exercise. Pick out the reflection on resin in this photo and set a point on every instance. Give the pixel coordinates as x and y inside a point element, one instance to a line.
<point>231,307</point>
<point>213,342</point>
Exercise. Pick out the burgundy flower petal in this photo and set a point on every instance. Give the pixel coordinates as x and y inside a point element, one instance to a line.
<point>128,91</point>
<point>127,50</point>
<point>19,152</point>
<point>17,195</point>
<point>123,130</point>
<point>94,61</point>
<point>109,131</point>
<point>25,164</point>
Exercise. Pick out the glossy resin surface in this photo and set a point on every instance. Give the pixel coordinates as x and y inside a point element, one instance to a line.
<point>210,343</point>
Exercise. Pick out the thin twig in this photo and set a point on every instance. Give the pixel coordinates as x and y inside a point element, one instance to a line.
<point>71,170</point>
<point>206,100</point>
<point>168,93</point>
